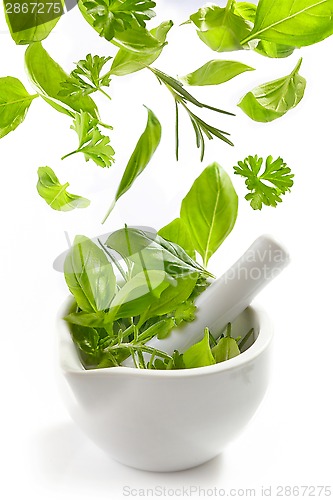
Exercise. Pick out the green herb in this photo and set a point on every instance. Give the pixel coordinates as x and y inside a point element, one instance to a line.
<point>111,322</point>
<point>215,72</point>
<point>92,143</point>
<point>86,78</point>
<point>292,23</point>
<point>273,99</point>
<point>210,210</point>
<point>248,11</point>
<point>171,298</point>
<point>116,16</point>
<point>129,61</point>
<point>55,194</point>
<point>182,97</point>
<point>89,276</point>
<point>141,156</point>
<point>199,354</point>
<point>14,104</point>
<point>48,79</point>
<point>148,250</point>
<point>220,28</point>
<point>266,185</point>
<point>30,22</point>
<point>177,232</point>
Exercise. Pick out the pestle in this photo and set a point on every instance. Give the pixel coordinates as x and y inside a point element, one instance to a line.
<point>228,296</point>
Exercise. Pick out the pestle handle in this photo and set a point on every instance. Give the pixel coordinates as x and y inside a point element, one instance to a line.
<point>229,295</point>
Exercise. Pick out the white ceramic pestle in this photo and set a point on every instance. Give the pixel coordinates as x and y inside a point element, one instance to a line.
<point>228,296</point>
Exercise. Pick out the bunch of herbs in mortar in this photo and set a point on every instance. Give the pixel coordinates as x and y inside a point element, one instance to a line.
<point>158,282</point>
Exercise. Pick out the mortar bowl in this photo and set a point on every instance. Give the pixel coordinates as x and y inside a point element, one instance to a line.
<point>167,421</point>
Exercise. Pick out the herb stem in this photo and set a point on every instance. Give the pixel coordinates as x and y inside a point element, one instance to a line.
<point>69,154</point>
<point>109,211</point>
<point>104,93</point>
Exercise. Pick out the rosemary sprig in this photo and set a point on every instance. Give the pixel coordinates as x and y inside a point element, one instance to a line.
<point>183,98</point>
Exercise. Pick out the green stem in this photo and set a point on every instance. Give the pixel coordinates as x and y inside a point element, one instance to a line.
<point>297,67</point>
<point>245,339</point>
<point>69,154</point>
<point>138,347</point>
<point>109,211</point>
<point>229,5</point>
<point>105,94</point>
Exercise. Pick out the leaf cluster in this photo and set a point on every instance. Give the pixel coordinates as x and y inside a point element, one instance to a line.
<point>268,184</point>
<point>115,16</point>
<point>86,78</point>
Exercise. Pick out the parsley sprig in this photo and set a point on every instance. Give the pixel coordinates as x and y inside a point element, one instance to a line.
<point>115,16</point>
<point>92,143</point>
<point>86,78</point>
<point>183,98</point>
<point>266,185</point>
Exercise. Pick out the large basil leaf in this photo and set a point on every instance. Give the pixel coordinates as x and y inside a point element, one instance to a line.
<point>14,104</point>
<point>129,61</point>
<point>32,21</point>
<point>177,232</point>
<point>141,156</point>
<point>273,99</point>
<point>210,210</point>
<point>47,77</point>
<point>220,28</point>
<point>147,250</point>
<point>56,194</point>
<point>292,22</point>
<point>89,276</point>
<point>215,72</point>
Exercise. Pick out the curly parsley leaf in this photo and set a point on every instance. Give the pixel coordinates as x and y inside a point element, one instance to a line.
<point>266,186</point>
<point>115,16</point>
<point>86,78</point>
<point>92,143</point>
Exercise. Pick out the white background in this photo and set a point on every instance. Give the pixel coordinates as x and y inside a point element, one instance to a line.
<point>289,441</point>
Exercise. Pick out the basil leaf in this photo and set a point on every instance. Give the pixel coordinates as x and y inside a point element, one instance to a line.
<point>141,156</point>
<point>138,294</point>
<point>275,50</point>
<point>226,348</point>
<point>177,232</point>
<point>48,78</point>
<point>199,354</point>
<point>172,297</point>
<point>210,210</point>
<point>147,250</point>
<point>220,28</point>
<point>128,61</point>
<point>34,20</point>
<point>246,10</point>
<point>295,23</point>
<point>273,99</point>
<point>14,104</point>
<point>269,49</point>
<point>91,320</point>
<point>55,194</point>
<point>89,276</point>
<point>215,72</point>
